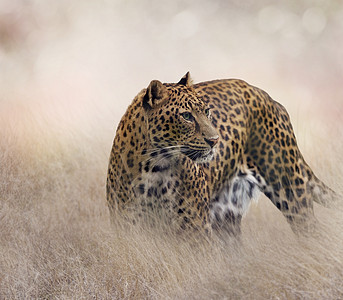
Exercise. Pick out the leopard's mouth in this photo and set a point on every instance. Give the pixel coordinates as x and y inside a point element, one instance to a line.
<point>199,155</point>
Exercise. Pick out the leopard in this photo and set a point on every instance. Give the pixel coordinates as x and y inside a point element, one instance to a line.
<point>197,155</point>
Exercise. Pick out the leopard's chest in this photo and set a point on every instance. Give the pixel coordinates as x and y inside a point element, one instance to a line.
<point>156,189</point>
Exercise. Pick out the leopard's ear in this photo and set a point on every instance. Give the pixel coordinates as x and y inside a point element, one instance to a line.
<point>186,80</point>
<point>154,95</point>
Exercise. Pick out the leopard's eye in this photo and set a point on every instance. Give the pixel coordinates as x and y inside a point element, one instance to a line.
<point>187,116</point>
<point>207,112</point>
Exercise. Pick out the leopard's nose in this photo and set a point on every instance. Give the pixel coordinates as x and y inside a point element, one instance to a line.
<point>212,141</point>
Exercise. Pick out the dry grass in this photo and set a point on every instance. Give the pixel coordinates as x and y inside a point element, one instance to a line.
<point>66,79</point>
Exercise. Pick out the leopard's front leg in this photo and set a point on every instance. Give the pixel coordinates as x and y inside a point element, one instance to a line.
<point>192,205</point>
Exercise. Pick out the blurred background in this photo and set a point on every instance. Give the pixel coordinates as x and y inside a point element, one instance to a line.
<point>68,71</point>
<point>85,59</point>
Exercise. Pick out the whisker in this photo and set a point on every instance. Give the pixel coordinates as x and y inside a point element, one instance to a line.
<point>156,159</point>
<point>157,150</point>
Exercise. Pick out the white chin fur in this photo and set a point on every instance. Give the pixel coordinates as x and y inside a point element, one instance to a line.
<point>205,158</point>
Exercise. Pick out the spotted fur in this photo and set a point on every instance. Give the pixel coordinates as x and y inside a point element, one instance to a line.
<point>198,154</point>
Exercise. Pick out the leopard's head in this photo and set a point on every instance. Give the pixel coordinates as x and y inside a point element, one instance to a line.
<point>178,120</point>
